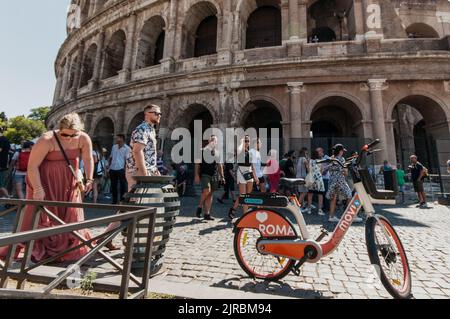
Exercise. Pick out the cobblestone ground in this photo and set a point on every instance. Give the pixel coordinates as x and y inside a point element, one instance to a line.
<point>201,252</point>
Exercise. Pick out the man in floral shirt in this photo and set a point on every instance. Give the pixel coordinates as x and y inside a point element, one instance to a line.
<point>142,160</point>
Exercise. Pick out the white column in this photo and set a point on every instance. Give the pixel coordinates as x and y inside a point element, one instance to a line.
<point>77,71</point>
<point>379,126</point>
<point>295,114</point>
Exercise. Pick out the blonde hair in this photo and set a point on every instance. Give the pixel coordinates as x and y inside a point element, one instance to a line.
<point>71,121</point>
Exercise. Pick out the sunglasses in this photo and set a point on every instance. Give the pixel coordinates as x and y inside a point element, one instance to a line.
<point>247,141</point>
<point>156,113</point>
<point>68,135</point>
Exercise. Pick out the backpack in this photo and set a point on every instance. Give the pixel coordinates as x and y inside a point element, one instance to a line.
<point>426,173</point>
<point>24,157</point>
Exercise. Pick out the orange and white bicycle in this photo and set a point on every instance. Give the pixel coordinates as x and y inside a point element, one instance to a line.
<point>268,246</point>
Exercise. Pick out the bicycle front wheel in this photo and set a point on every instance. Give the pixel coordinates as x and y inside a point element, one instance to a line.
<point>387,253</point>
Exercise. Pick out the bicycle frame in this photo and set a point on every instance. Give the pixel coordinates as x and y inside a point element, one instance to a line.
<point>295,248</point>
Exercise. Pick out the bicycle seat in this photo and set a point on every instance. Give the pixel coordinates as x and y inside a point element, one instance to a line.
<point>292,182</point>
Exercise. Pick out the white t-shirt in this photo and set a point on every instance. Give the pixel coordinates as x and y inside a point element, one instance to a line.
<point>255,158</point>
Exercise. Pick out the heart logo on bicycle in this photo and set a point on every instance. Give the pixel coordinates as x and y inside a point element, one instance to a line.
<point>262,217</point>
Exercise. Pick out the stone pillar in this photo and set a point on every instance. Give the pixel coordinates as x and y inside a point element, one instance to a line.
<point>93,83</point>
<point>295,114</point>
<point>285,20</point>
<point>379,127</point>
<point>390,143</point>
<point>294,20</point>
<point>65,80</point>
<point>168,62</point>
<point>91,8</point>
<point>125,73</point>
<point>121,115</point>
<point>59,80</point>
<point>303,16</point>
<point>97,6</point>
<point>359,19</point>
<point>77,72</point>
<point>286,138</point>
<point>88,122</point>
<point>224,53</point>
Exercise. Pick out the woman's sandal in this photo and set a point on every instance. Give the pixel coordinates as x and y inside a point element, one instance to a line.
<point>231,213</point>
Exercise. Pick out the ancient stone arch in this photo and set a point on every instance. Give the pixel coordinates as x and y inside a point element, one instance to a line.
<point>362,108</point>
<point>421,30</point>
<point>151,42</point>
<point>114,54</point>
<point>200,29</point>
<point>245,8</point>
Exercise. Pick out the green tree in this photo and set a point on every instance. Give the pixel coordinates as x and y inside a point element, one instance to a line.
<point>21,128</point>
<point>39,113</point>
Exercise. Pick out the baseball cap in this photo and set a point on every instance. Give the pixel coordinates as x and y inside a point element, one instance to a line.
<point>339,147</point>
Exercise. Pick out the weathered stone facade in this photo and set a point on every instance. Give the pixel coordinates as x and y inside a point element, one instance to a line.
<point>310,67</point>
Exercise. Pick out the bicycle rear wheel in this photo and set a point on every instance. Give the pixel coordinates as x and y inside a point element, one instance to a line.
<point>386,251</point>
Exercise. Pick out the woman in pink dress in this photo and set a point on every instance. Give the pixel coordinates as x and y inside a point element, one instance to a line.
<point>49,178</point>
<point>272,171</point>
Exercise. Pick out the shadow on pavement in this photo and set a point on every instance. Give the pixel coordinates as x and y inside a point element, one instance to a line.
<point>266,287</point>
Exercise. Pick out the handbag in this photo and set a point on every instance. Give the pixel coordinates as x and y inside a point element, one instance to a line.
<point>309,179</point>
<point>78,175</point>
<point>247,176</point>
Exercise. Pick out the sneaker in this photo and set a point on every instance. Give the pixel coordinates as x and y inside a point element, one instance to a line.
<point>423,205</point>
<point>333,219</point>
<point>199,212</point>
<point>321,213</point>
<point>357,219</point>
<point>208,217</point>
<point>308,211</point>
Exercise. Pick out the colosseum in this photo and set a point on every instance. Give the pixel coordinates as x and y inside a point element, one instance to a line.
<point>322,71</point>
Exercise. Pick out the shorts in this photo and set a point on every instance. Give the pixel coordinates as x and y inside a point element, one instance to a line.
<point>240,176</point>
<point>19,179</point>
<point>207,182</point>
<point>4,178</point>
<point>418,186</point>
<point>401,188</point>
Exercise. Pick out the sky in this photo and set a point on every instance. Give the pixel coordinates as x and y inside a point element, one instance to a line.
<point>31,32</point>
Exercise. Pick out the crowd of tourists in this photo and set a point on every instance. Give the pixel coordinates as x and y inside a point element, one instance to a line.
<point>64,165</point>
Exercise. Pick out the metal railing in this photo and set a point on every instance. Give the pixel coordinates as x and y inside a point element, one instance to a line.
<point>127,218</point>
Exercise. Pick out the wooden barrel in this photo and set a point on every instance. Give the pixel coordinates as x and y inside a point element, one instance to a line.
<point>154,191</point>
